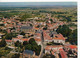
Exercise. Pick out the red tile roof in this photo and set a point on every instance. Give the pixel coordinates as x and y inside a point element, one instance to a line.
<point>25,39</point>
<point>50,47</point>
<point>39,40</point>
<point>4,22</point>
<point>46,36</point>
<point>72,46</point>
<point>15,38</point>
<point>59,37</point>
<point>52,52</point>
<point>8,40</point>
<point>63,54</point>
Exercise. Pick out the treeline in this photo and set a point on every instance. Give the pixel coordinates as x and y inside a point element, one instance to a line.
<point>65,18</point>
<point>53,12</point>
<point>8,14</point>
<point>11,8</point>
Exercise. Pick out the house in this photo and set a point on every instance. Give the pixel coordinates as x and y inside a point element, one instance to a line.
<point>63,53</point>
<point>27,29</point>
<point>73,47</point>
<point>38,41</point>
<point>1,24</point>
<point>16,39</point>
<point>58,38</point>
<point>20,39</point>
<point>47,37</point>
<point>20,36</point>
<point>52,26</point>
<point>37,38</point>
<point>9,42</point>
<point>37,35</point>
<point>70,47</point>
<point>25,39</point>
<point>54,48</point>
<point>1,34</point>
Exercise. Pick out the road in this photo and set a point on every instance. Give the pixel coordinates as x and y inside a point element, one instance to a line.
<point>42,45</point>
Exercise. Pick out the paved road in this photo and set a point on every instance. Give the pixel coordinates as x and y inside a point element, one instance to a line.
<point>42,45</point>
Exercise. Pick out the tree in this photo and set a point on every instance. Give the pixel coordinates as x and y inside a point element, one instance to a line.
<point>32,45</point>
<point>8,36</point>
<point>25,43</point>
<point>73,37</point>
<point>45,28</point>
<point>24,17</point>
<point>51,21</point>
<point>3,43</point>
<point>64,30</point>
<point>68,19</point>
<point>38,26</point>
<point>17,44</point>
<point>32,41</point>
<point>22,33</point>
<point>28,46</point>
<point>37,49</point>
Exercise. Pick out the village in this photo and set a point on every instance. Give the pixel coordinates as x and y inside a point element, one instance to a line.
<point>51,43</point>
<point>38,30</point>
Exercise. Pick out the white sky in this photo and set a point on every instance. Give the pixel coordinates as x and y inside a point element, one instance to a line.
<point>36,0</point>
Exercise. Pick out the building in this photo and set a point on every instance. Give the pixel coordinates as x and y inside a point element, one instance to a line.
<point>9,42</point>
<point>54,48</point>
<point>47,37</point>
<point>28,54</point>
<point>37,38</point>
<point>63,53</point>
<point>58,38</point>
<point>27,29</point>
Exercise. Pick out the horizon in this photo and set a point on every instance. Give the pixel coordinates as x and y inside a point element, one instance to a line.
<point>13,4</point>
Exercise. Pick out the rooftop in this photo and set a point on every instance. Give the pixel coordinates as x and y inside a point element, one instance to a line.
<point>28,52</point>
<point>59,36</point>
<point>26,27</point>
<point>72,46</point>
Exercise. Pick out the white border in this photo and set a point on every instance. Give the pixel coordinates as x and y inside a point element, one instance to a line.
<point>78,28</point>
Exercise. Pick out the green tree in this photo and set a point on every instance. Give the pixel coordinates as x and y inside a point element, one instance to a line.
<point>32,41</point>
<point>32,45</point>
<point>28,46</point>
<point>64,30</point>
<point>3,43</point>
<point>24,17</point>
<point>68,19</point>
<point>73,37</point>
<point>51,21</point>
<point>25,43</point>
<point>45,28</point>
<point>17,44</point>
<point>8,36</point>
<point>22,33</point>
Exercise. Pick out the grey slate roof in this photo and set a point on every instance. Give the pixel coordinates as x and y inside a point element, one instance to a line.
<point>26,27</point>
<point>28,52</point>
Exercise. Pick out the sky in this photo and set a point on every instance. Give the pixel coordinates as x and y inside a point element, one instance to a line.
<point>36,3</point>
<point>35,0</point>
